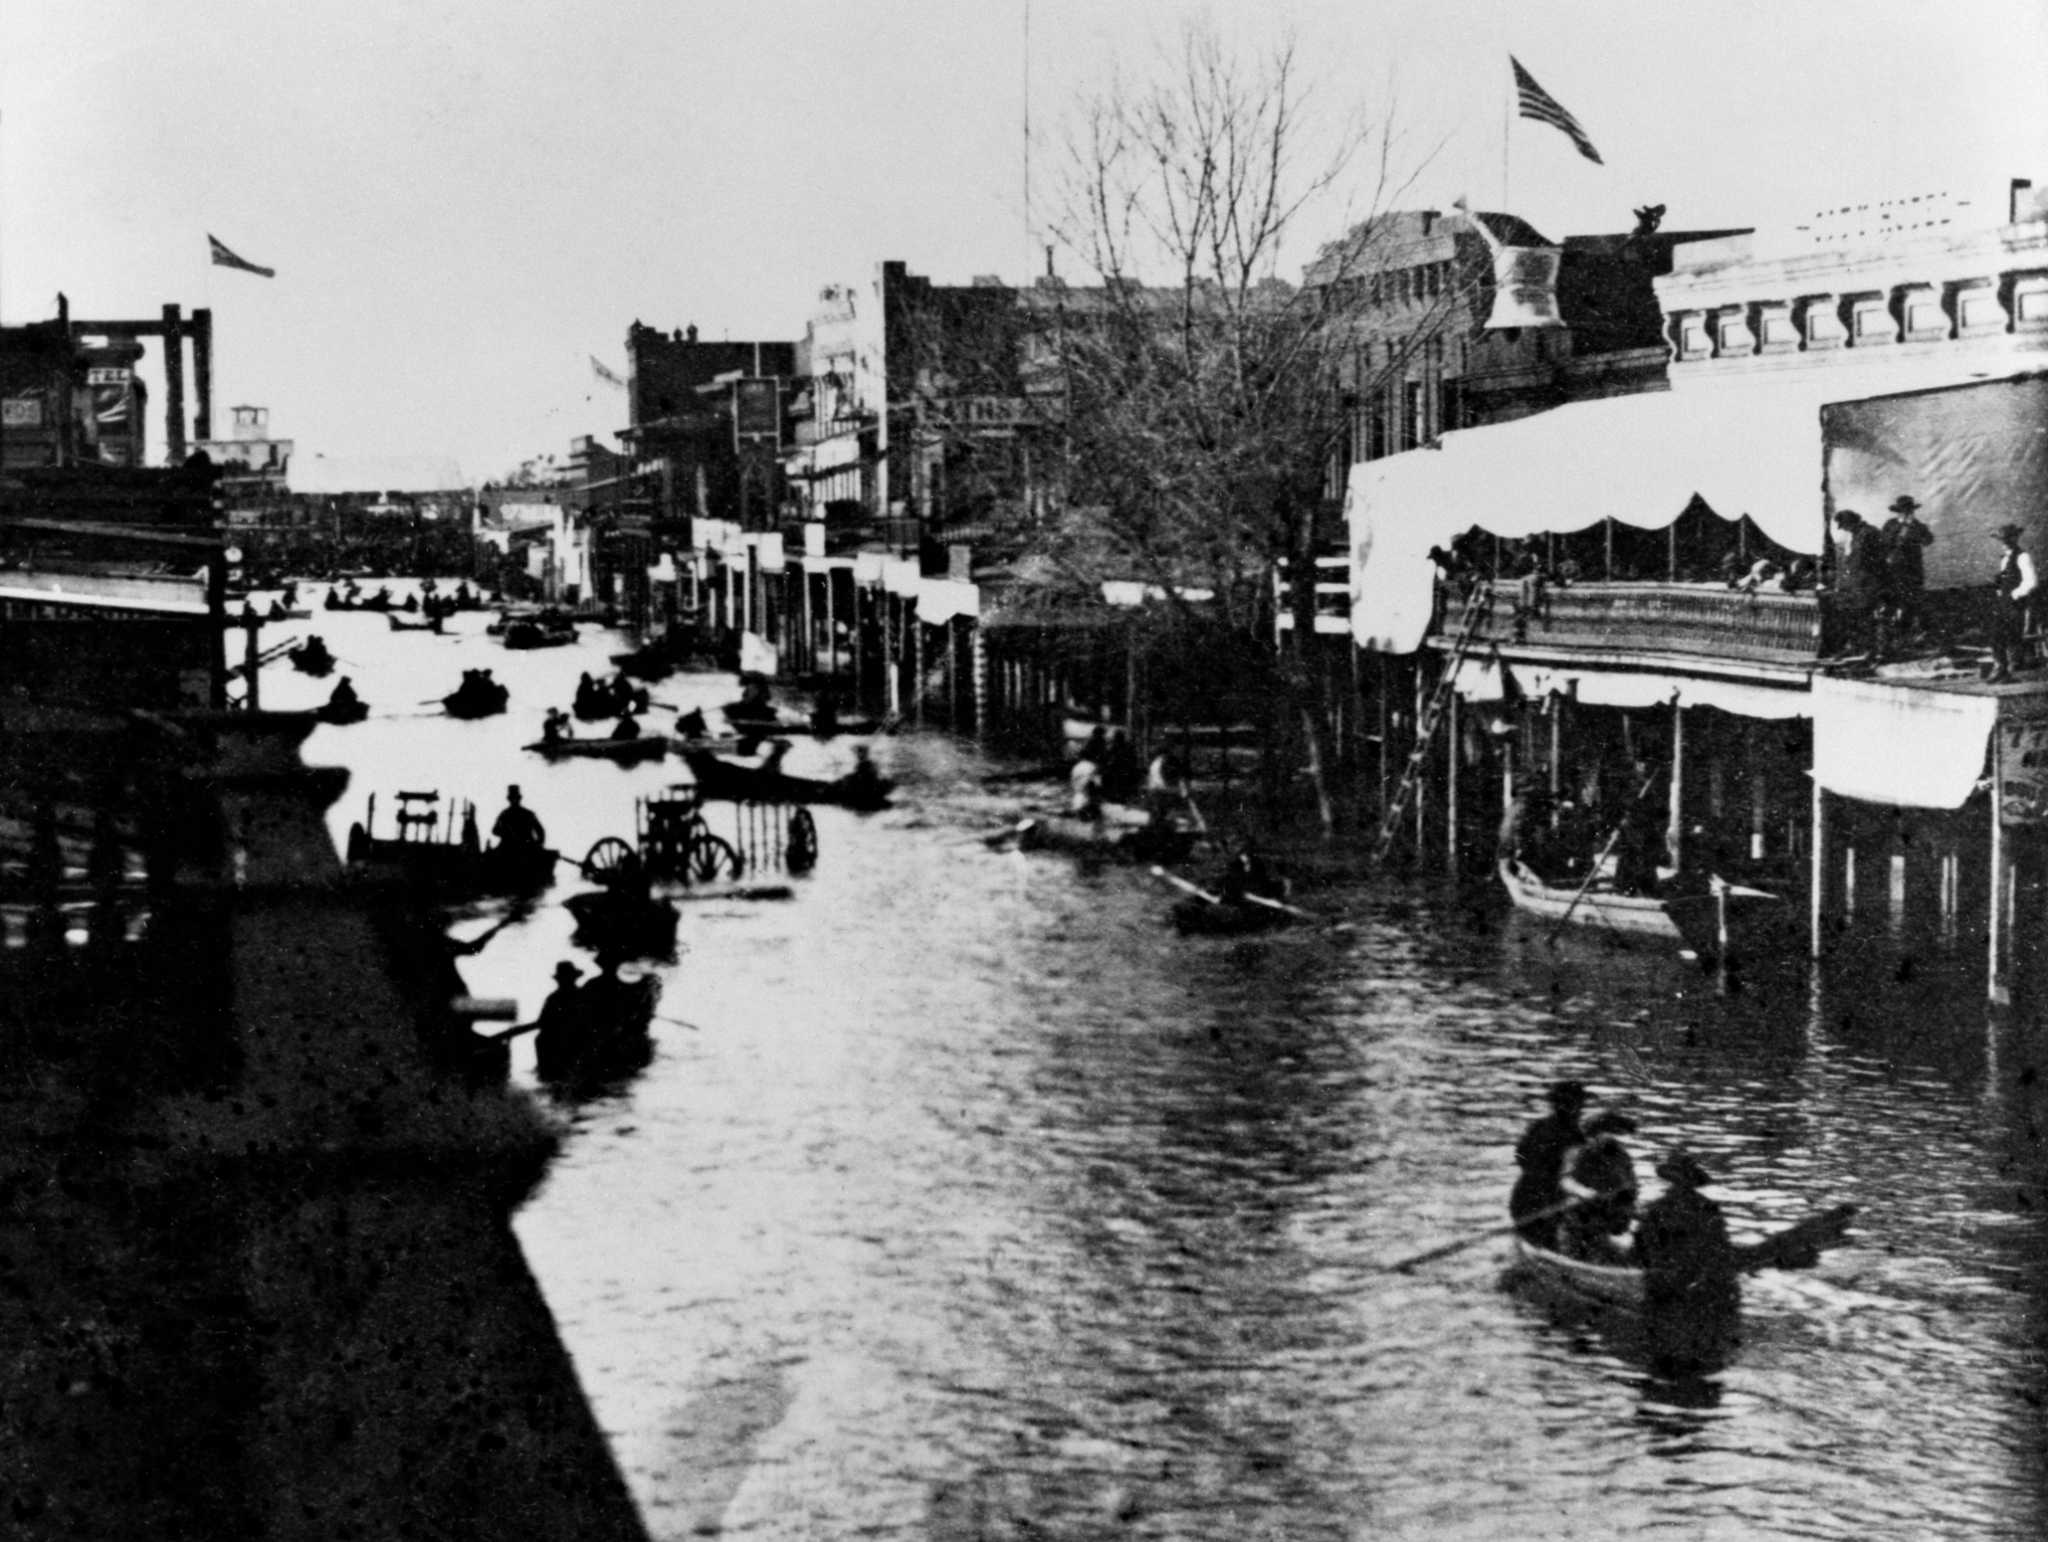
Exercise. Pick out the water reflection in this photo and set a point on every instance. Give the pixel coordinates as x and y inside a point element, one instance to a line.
<point>978,1203</point>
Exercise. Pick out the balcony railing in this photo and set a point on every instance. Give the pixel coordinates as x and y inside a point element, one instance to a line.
<point>1698,621</point>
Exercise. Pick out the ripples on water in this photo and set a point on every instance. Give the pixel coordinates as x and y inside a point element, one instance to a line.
<point>978,1204</point>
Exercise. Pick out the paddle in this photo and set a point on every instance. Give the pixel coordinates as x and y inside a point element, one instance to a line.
<point>675,1022</point>
<point>1430,1255</point>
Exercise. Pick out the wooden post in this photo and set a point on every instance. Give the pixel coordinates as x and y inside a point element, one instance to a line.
<point>1674,825</point>
<point>1454,754</point>
<point>1995,962</point>
<point>251,653</point>
<point>1820,867</point>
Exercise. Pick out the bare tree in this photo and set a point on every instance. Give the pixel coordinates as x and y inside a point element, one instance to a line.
<point>1205,409</point>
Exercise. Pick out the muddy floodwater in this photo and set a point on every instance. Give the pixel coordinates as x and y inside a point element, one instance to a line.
<point>963,1198</point>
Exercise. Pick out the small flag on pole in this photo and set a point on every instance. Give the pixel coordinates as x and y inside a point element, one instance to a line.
<point>1539,104</point>
<point>609,377</point>
<point>223,258</point>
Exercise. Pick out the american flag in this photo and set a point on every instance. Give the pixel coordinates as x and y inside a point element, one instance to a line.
<point>1539,104</point>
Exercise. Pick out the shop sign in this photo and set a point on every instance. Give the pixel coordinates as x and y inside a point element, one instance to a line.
<point>21,412</point>
<point>2023,770</point>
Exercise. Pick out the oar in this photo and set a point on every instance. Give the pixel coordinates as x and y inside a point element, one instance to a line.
<point>1284,907</point>
<point>510,1033</point>
<point>1250,899</point>
<point>1593,871</point>
<point>1016,832</point>
<point>1402,1266</point>
<point>1181,883</point>
<point>675,1022</point>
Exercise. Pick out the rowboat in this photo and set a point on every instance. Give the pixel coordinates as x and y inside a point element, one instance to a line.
<point>623,752</point>
<point>309,659</point>
<point>1611,1287</point>
<point>737,782</point>
<point>533,634</point>
<point>634,924</point>
<point>1726,920</point>
<point>608,1042</point>
<point>1106,838</point>
<point>346,712</point>
<point>477,701</point>
<point>1223,918</point>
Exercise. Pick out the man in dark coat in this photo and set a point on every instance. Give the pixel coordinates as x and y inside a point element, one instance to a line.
<point>518,826</point>
<point>1536,1202</point>
<point>1603,1180</point>
<point>1859,585</point>
<point>1906,540</point>
<point>1682,1241</point>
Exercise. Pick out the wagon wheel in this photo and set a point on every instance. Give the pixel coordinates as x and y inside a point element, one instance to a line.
<point>603,862</point>
<point>801,855</point>
<point>710,856</point>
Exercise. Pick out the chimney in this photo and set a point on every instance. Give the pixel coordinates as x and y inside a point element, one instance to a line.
<point>1429,218</point>
<point>2021,186</point>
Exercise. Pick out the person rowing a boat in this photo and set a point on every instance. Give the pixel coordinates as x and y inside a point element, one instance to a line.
<point>1538,1199</point>
<point>562,1022</point>
<point>1602,1178</point>
<point>1247,878</point>
<point>606,1001</point>
<point>628,725</point>
<point>518,827</point>
<point>555,727</point>
<point>1682,1241</point>
<point>863,783</point>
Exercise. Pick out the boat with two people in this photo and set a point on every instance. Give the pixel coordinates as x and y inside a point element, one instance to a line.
<point>763,780</point>
<point>311,657</point>
<point>599,699</point>
<point>479,695</point>
<point>558,741</point>
<point>596,1031</point>
<point>1626,889</point>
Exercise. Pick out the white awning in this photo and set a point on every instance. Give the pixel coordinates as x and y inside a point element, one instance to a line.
<point>1638,460</point>
<point>941,599</point>
<point>1746,449</point>
<point>1487,679</point>
<point>1888,743</point>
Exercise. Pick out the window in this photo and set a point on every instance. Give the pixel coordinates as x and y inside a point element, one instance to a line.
<point>1414,424</point>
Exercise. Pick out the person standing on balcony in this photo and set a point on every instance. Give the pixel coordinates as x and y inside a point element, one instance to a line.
<point>1859,586</point>
<point>1905,540</point>
<point>2012,594</point>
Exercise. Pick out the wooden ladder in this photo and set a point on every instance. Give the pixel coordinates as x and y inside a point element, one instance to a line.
<point>1478,611</point>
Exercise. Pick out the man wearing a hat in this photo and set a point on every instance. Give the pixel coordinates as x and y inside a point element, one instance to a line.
<point>563,1022</point>
<point>1537,1200</point>
<point>1682,1239</point>
<point>518,825</point>
<point>2011,598</point>
<point>1905,538</point>
<point>1859,585</point>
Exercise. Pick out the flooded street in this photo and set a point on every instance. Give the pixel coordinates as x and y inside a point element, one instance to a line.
<point>963,1198</point>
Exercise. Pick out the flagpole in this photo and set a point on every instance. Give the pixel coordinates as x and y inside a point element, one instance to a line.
<point>1507,123</point>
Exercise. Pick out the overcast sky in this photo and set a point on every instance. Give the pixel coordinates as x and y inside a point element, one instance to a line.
<point>467,199</point>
